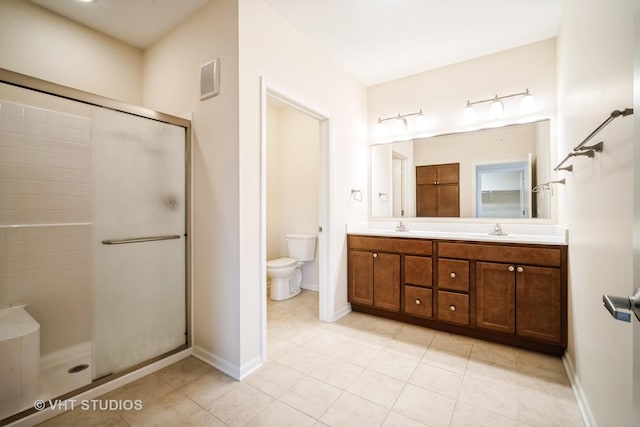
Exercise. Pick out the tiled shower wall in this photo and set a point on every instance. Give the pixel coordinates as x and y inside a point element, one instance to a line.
<point>45,216</point>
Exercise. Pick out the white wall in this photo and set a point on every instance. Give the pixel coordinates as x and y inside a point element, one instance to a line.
<point>272,48</point>
<point>595,77</point>
<point>171,84</point>
<point>41,44</point>
<point>293,181</point>
<point>442,93</point>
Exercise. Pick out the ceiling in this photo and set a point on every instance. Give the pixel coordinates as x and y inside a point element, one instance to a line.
<point>375,40</point>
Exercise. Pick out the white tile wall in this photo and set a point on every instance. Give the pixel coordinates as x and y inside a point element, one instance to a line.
<point>45,166</point>
<point>45,191</point>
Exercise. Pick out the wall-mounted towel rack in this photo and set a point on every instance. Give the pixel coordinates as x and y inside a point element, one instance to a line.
<point>547,186</point>
<point>590,150</point>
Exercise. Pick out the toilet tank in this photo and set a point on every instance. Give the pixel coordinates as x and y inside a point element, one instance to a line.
<point>302,246</point>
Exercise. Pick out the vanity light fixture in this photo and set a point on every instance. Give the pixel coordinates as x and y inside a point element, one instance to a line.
<point>496,109</point>
<point>400,124</point>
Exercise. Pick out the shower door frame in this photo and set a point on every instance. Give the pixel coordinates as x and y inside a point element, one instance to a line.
<point>43,86</point>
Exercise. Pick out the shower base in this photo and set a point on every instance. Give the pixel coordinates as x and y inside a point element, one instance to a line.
<point>55,379</point>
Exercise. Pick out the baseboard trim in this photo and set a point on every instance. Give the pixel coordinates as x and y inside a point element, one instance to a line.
<point>310,286</point>
<point>337,314</point>
<point>581,398</point>
<point>238,373</point>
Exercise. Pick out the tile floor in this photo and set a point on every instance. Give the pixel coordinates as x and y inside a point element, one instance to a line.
<point>359,371</point>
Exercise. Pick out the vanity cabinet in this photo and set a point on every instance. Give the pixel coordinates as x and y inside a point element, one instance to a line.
<point>375,274</point>
<point>510,293</point>
<point>438,190</point>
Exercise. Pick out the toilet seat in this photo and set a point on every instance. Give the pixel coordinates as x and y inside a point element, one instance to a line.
<point>282,263</point>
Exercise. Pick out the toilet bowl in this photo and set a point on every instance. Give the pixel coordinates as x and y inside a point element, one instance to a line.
<point>286,272</point>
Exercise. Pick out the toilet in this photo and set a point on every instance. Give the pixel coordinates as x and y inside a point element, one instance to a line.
<point>286,273</point>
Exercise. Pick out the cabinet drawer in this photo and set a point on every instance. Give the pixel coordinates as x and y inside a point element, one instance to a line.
<point>418,270</point>
<point>453,307</point>
<point>453,274</point>
<point>517,254</point>
<point>418,301</point>
<point>390,244</point>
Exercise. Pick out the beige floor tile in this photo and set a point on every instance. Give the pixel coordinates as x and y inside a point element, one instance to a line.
<point>375,340</point>
<point>326,343</point>
<point>311,396</point>
<point>417,334</point>
<point>529,361</point>
<point>350,410</point>
<point>208,387</point>
<point>393,365</point>
<point>453,343</point>
<point>382,326</point>
<point>302,359</point>
<point>280,415</point>
<point>538,410</point>
<point>377,388</point>
<point>395,419</point>
<point>455,362</point>
<point>168,410</point>
<point>276,347</point>
<point>493,396</point>
<point>336,372</point>
<point>78,417</point>
<point>486,370</point>
<point>355,353</point>
<point>288,332</point>
<point>184,371</point>
<point>274,378</point>
<point>466,415</point>
<point>547,387</point>
<point>239,405</point>
<point>147,389</point>
<point>495,353</point>
<point>409,349</point>
<point>427,407</point>
<point>201,419</point>
<point>437,379</point>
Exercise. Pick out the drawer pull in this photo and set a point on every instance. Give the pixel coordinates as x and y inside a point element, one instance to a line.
<point>452,307</point>
<point>511,268</point>
<point>418,302</point>
<point>375,255</point>
<point>453,275</point>
<point>520,269</point>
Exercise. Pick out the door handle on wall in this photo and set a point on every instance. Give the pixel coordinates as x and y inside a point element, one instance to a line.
<point>616,304</point>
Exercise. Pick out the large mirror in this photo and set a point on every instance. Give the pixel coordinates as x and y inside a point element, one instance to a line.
<point>487,173</point>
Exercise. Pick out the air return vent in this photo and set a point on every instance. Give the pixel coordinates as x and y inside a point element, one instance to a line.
<point>209,79</point>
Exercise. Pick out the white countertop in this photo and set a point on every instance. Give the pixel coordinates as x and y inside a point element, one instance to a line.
<point>542,234</point>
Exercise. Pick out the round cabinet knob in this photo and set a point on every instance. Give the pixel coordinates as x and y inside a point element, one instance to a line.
<point>418,302</point>
<point>453,275</point>
<point>520,269</point>
<point>452,307</point>
<point>435,182</point>
<point>511,268</point>
<point>375,255</point>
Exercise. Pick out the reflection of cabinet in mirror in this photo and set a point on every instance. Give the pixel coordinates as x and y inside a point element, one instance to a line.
<point>438,190</point>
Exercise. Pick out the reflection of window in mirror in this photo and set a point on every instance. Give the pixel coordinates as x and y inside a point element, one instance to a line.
<point>503,190</point>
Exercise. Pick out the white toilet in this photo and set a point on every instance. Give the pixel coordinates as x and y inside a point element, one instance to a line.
<point>286,273</point>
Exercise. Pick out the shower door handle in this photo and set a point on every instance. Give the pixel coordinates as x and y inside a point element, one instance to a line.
<point>139,240</point>
<point>616,304</point>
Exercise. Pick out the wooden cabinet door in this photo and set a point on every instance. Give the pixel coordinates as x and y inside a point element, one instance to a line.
<point>495,296</point>
<point>361,277</point>
<point>448,201</point>
<point>449,173</point>
<point>426,175</point>
<point>386,281</point>
<point>427,200</point>
<point>538,303</point>
<point>418,270</point>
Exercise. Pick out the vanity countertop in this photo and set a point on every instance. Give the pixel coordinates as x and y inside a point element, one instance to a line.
<point>542,234</point>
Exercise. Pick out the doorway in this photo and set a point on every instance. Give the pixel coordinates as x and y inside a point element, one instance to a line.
<point>272,96</point>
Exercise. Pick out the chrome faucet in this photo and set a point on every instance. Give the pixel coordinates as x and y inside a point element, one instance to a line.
<point>497,231</point>
<point>400,226</point>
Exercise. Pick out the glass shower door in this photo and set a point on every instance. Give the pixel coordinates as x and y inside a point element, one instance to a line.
<point>139,250</point>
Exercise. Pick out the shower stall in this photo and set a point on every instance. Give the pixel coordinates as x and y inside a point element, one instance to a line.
<point>94,249</point>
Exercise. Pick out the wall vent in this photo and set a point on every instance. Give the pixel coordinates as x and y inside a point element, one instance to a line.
<point>209,79</point>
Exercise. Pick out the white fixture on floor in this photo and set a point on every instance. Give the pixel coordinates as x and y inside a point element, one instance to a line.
<point>286,273</point>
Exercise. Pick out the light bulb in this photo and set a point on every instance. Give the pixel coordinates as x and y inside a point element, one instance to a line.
<point>421,123</point>
<point>496,109</point>
<point>528,103</point>
<point>399,125</point>
<point>469,114</point>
